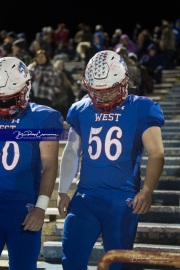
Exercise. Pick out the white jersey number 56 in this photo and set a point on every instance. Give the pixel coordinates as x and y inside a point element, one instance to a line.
<point>106,144</point>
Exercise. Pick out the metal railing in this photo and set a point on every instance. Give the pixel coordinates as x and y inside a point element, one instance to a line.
<point>138,257</point>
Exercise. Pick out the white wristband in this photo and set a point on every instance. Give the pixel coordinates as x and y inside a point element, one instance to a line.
<point>42,202</point>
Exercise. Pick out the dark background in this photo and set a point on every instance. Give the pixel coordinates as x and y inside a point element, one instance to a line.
<point>31,16</point>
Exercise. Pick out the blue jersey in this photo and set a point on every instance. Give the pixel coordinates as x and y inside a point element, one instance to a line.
<point>20,162</point>
<point>112,143</point>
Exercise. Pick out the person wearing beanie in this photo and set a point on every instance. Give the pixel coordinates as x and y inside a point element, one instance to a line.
<point>19,48</point>
<point>154,63</point>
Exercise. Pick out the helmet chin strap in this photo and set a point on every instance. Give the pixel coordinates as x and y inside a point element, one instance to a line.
<point>7,102</point>
<point>11,107</point>
<point>9,113</point>
<point>111,106</point>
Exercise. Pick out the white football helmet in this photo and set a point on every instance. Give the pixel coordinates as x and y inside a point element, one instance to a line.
<point>15,86</point>
<point>105,73</point>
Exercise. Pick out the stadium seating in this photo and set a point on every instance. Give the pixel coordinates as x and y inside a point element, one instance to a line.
<point>158,230</point>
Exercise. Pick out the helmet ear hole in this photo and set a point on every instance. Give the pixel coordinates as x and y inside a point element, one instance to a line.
<point>105,72</point>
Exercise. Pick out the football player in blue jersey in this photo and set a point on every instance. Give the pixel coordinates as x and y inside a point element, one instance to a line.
<point>109,130</point>
<point>28,164</point>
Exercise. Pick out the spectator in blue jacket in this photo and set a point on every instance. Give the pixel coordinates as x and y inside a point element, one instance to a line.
<point>154,63</point>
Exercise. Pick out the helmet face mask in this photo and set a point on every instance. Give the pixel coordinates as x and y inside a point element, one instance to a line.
<point>15,87</point>
<point>106,80</point>
<point>12,106</point>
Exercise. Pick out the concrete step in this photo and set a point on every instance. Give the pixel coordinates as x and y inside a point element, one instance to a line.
<point>162,214</point>
<point>171,143</point>
<point>173,96</point>
<point>176,87</point>
<point>156,97</point>
<point>172,78</point>
<point>156,247</point>
<point>147,232</point>
<point>166,72</point>
<point>4,255</point>
<point>170,151</point>
<point>161,233</point>
<point>174,75</point>
<point>169,170</point>
<point>169,161</point>
<point>53,250</point>
<point>52,214</point>
<point>166,197</point>
<point>170,111</point>
<point>170,129</point>
<point>170,136</point>
<point>175,90</point>
<point>169,104</point>
<point>173,122</point>
<point>169,80</point>
<point>168,183</point>
<point>172,116</point>
<point>142,226</point>
<point>41,265</point>
<point>163,85</point>
<point>162,92</point>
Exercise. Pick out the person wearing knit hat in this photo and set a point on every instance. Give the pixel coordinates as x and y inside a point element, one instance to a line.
<point>7,49</point>
<point>20,43</point>
<point>19,48</point>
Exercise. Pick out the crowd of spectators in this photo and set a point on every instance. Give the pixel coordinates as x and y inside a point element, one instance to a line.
<point>146,52</point>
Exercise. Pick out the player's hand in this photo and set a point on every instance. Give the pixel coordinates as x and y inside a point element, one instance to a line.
<point>142,202</point>
<point>62,204</point>
<point>34,219</point>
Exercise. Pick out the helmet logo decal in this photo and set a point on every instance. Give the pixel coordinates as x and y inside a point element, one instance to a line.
<point>23,69</point>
